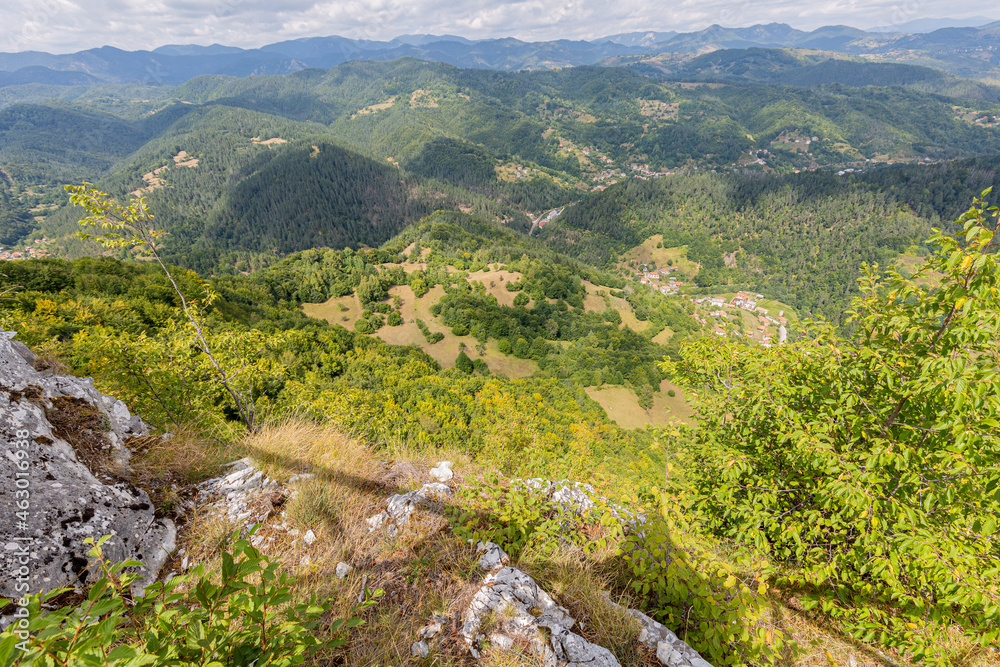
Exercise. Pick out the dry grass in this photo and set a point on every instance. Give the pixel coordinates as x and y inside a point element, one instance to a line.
<point>427,570</point>
<point>423,571</point>
<point>184,457</point>
<point>621,404</point>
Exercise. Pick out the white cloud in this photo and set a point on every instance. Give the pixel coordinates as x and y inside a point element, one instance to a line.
<point>63,26</point>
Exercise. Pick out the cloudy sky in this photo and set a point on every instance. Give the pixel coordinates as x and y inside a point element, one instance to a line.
<point>63,26</point>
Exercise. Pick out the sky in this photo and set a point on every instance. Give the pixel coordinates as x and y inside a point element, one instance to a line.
<point>65,26</point>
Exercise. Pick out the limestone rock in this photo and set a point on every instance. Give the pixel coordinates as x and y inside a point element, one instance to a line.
<point>309,538</point>
<point>420,649</point>
<point>670,649</point>
<point>74,469</point>
<point>513,597</point>
<point>343,569</point>
<point>399,507</point>
<point>493,556</point>
<point>433,629</point>
<point>580,499</point>
<point>244,495</point>
<point>443,472</point>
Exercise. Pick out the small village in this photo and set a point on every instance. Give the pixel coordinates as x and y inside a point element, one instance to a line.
<point>29,252</point>
<point>768,329</point>
<point>738,315</point>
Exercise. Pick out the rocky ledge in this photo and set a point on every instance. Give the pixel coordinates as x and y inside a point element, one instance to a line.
<point>65,478</point>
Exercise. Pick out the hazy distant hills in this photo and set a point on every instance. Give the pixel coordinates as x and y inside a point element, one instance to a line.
<point>970,51</point>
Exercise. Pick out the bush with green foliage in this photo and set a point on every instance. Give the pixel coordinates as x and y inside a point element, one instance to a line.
<point>246,615</point>
<point>868,468</point>
<point>720,609</point>
<point>517,516</point>
<point>463,363</point>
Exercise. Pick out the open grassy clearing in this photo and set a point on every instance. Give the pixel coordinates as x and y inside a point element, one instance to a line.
<point>342,310</point>
<point>662,337</point>
<point>495,281</point>
<point>593,303</point>
<point>622,405</point>
<point>632,322</point>
<point>910,262</point>
<point>647,252</point>
<point>346,310</point>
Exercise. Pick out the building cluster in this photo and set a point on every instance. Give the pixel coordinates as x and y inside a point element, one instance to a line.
<point>645,173</point>
<point>29,252</point>
<point>744,301</point>
<point>653,278</point>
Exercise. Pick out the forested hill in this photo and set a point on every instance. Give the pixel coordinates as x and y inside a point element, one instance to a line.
<point>968,51</point>
<point>239,169</point>
<point>803,67</point>
<point>799,239</point>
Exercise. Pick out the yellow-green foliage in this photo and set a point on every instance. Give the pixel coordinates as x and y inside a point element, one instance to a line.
<point>245,615</point>
<point>868,468</point>
<point>719,609</point>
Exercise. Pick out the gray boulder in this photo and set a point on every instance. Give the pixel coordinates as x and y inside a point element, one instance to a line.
<point>519,608</point>
<point>65,472</point>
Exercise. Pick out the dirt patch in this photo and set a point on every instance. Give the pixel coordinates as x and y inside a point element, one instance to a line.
<point>274,141</point>
<point>85,428</point>
<point>182,159</point>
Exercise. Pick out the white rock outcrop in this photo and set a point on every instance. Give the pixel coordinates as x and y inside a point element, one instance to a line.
<point>65,478</point>
<point>518,609</point>
<point>442,472</point>
<point>399,507</point>
<point>669,648</point>
<point>580,498</point>
<point>237,494</point>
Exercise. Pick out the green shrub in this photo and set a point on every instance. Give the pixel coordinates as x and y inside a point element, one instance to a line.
<point>518,517</point>
<point>671,393</point>
<point>248,617</point>
<point>463,363</point>
<point>868,467</point>
<point>395,319</point>
<point>717,609</point>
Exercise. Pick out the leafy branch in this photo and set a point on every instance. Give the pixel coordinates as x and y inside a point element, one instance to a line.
<point>129,227</point>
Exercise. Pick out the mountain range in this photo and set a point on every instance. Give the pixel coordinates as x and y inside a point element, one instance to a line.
<point>965,51</point>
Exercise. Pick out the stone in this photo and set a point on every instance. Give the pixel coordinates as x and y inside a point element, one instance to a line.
<point>443,472</point>
<point>521,608</point>
<point>343,569</point>
<point>431,630</point>
<point>493,556</point>
<point>399,507</point>
<point>309,538</point>
<point>669,648</point>
<point>75,467</point>
<point>420,649</point>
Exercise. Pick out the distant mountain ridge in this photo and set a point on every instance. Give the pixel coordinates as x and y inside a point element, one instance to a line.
<point>959,49</point>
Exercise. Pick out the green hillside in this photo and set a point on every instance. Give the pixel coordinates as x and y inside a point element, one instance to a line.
<point>799,240</point>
